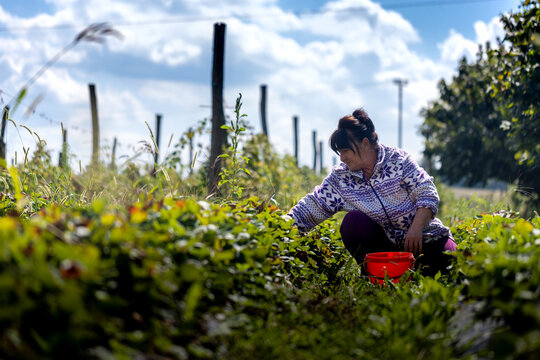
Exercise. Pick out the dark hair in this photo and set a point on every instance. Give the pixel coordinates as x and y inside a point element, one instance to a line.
<point>353,129</point>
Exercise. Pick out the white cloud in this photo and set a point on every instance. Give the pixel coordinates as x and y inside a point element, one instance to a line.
<point>312,76</point>
<point>489,32</point>
<point>269,49</point>
<point>456,46</point>
<point>13,51</point>
<point>174,52</point>
<point>62,3</point>
<point>363,27</point>
<point>66,89</point>
<point>263,46</point>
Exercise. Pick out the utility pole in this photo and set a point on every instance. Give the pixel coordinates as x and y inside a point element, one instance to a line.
<point>263,110</point>
<point>400,83</point>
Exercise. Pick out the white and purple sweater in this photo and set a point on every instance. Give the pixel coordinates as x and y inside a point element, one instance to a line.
<point>390,197</point>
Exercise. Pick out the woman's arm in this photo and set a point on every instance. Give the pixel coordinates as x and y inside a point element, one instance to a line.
<point>420,186</point>
<point>424,194</point>
<point>317,206</point>
<point>413,239</point>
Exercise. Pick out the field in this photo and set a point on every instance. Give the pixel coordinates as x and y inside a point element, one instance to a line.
<point>492,195</point>
<point>118,264</point>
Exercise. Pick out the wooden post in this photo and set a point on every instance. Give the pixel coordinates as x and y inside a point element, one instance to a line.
<point>219,135</point>
<point>62,159</point>
<point>95,124</point>
<point>158,136</point>
<point>320,157</point>
<point>191,155</point>
<point>263,110</point>
<point>3,133</point>
<point>156,153</point>
<point>295,125</point>
<point>113,155</point>
<point>314,150</point>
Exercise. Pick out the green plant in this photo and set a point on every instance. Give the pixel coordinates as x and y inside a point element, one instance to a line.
<point>238,162</point>
<point>497,260</point>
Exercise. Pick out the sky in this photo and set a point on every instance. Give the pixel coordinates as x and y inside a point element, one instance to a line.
<point>320,60</point>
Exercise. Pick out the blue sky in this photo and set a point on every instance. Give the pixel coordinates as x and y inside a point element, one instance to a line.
<point>319,59</point>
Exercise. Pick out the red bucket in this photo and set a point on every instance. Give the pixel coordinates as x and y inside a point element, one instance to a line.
<point>395,264</point>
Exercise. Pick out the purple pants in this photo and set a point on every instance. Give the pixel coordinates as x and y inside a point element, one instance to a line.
<point>361,235</point>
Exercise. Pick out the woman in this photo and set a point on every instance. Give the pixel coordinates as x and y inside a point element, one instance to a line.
<point>390,200</point>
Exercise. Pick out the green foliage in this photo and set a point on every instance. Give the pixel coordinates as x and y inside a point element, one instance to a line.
<point>498,258</point>
<point>486,123</point>
<point>34,184</point>
<point>190,279</point>
<point>517,84</point>
<point>229,175</point>
<point>95,279</point>
<point>462,128</point>
<point>276,176</point>
<point>119,264</point>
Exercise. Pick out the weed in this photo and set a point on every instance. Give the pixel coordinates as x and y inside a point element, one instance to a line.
<point>238,163</point>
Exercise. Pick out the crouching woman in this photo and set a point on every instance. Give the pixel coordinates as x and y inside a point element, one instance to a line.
<point>391,202</point>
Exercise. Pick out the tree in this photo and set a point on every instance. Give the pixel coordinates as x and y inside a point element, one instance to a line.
<point>517,87</point>
<point>486,123</point>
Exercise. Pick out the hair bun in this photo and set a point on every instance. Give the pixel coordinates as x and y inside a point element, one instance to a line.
<point>352,130</point>
<point>364,119</point>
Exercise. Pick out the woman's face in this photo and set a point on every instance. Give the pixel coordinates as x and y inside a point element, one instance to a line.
<point>355,158</point>
<point>352,158</point>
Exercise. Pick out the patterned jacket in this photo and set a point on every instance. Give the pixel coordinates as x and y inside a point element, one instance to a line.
<point>397,188</point>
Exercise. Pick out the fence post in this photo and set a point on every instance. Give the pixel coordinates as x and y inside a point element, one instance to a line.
<point>158,132</point>
<point>219,135</point>
<point>158,136</point>
<point>3,133</point>
<point>320,156</point>
<point>314,150</point>
<point>295,125</point>
<point>191,155</point>
<point>263,110</point>
<point>113,155</point>
<point>95,124</point>
<point>62,159</point>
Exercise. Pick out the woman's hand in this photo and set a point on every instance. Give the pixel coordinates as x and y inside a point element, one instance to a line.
<point>413,241</point>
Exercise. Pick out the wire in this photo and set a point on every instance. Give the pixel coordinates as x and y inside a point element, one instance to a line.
<point>50,120</point>
<point>433,3</point>
<point>188,19</point>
